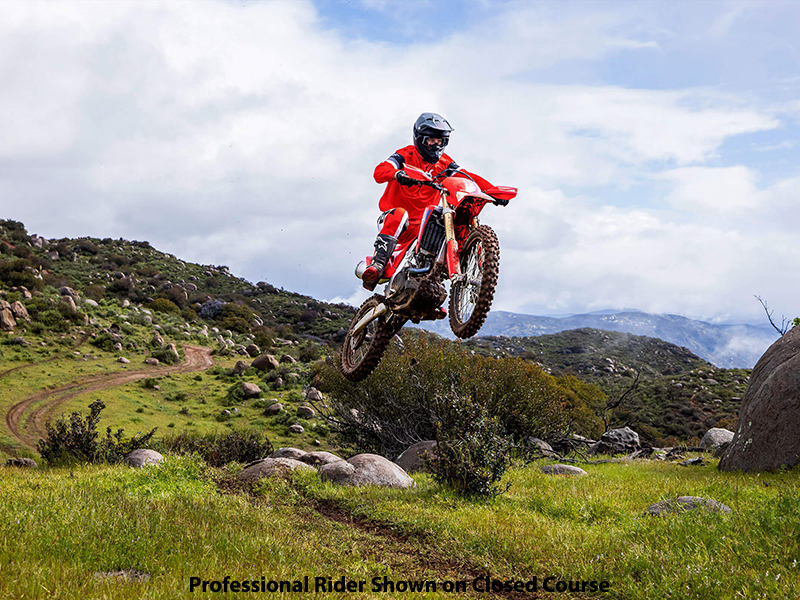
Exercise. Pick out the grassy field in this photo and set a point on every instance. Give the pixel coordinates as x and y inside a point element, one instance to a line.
<point>182,520</point>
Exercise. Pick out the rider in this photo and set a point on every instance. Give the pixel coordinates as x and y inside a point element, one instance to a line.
<point>404,201</point>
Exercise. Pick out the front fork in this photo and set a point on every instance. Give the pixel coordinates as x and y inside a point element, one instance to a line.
<point>451,245</point>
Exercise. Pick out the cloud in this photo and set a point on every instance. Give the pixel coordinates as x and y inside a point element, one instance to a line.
<point>246,135</point>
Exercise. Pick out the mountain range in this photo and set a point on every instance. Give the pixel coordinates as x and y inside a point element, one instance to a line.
<point>724,345</point>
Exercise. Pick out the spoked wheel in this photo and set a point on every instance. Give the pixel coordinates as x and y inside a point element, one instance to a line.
<point>471,297</point>
<point>362,352</point>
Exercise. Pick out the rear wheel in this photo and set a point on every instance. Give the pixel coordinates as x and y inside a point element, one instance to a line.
<point>362,352</point>
<point>471,297</point>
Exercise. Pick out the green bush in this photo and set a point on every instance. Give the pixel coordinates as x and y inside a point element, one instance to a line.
<point>74,440</point>
<point>220,449</point>
<point>164,306</point>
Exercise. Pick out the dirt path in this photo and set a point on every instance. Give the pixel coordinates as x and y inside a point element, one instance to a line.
<point>26,419</point>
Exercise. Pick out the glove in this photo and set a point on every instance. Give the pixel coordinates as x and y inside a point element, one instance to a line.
<point>403,179</point>
<point>500,202</point>
<point>451,169</point>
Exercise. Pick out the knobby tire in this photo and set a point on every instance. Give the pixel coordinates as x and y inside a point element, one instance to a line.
<point>490,270</point>
<point>358,370</point>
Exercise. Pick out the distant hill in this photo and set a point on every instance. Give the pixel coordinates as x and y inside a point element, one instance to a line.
<point>727,346</point>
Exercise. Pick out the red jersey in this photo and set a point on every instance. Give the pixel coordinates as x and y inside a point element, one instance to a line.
<point>414,199</point>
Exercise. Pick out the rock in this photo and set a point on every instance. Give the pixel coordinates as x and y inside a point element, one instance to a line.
<point>412,458</point>
<point>692,462</point>
<point>306,412</point>
<point>767,435</point>
<point>252,350</point>
<point>720,452</point>
<point>292,453</point>
<point>123,360</point>
<point>240,368</point>
<point>367,469</point>
<point>71,308</point>
<point>90,302</point>
<point>250,390</point>
<point>142,457</point>
<point>273,409</point>
<point>288,359</point>
<point>151,361</point>
<point>68,291</point>
<point>559,469</point>
<point>273,467</point>
<point>617,441</point>
<point>19,311</point>
<point>265,362</point>
<point>296,428</point>
<point>157,341</point>
<point>7,321</point>
<point>715,437</point>
<point>25,463</point>
<point>684,503</point>
<point>314,395</point>
<point>541,445</point>
<point>316,459</point>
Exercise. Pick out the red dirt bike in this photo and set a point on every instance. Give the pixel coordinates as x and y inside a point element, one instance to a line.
<point>451,245</point>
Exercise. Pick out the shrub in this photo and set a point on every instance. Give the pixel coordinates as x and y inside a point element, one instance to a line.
<point>220,449</point>
<point>74,440</point>
<point>309,352</point>
<point>166,355</point>
<point>164,305</point>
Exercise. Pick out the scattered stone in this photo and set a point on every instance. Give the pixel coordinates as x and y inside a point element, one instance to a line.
<point>252,350</point>
<point>7,321</point>
<point>715,437</point>
<point>293,453</point>
<point>692,462</point>
<point>296,428</point>
<point>367,469</point>
<point>273,409</point>
<point>71,308</point>
<point>541,445</point>
<point>19,311</point>
<point>124,576</point>
<point>413,458</point>
<point>91,303</point>
<point>317,459</point>
<point>68,291</point>
<point>240,368</point>
<point>142,457</point>
<point>273,467</point>
<point>25,463</point>
<point>265,362</point>
<point>151,361</point>
<point>617,441</point>
<point>286,358</point>
<point>560,469</point>
<point>684,503</point>
<point>306,412</point>
<point>250,390</point>
<point>314,395</point>
<point>157,341</point>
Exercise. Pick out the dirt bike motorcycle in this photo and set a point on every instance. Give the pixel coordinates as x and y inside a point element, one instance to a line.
<point>451,245</point>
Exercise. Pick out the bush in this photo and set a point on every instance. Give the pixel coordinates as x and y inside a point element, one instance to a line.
<point>472,451</point>
<point>74,440</point>
<point>164,306</point>
<point>220,449</point>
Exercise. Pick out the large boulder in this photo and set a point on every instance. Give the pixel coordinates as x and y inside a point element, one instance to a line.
<point>273,467</point>
<point>250,390</point>
<point>767,436</point>
<point>265,362</point>
<point>142,457</point>
<point>716,437</point>
<point>293,453</point>
<point>617,441</point>
<point>7,322</point>
<point>25,463</point>
<point>560,469</point>
<point>19,311</point>
<point>367,469</point>
<point>413,458</point>
<point>317,459</point>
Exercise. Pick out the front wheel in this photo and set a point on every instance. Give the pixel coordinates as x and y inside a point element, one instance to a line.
<point>471,297</point>
<point>362,352</point>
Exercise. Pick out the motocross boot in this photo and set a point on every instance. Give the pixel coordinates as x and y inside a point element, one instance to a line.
<point>384,246</point>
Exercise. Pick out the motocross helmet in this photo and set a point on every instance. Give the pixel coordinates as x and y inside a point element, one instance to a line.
<point>431,125</point>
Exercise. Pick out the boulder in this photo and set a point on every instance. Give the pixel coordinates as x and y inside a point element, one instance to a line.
<point>273,409</point>
<point>157,341</point>
<point>71,308</point>
<point>367,469</point>
<point>296,428</point>
<point>265,362</point>
<point>272,467</point>
<point>7,321</point>
<point>151,361</point>
<point>240,368</point>
<point>317,459</point>
<point>559,469</point>
<point>252,350</point>
<point>292,453</point>
<point>25,463</point>
<point>287,359</point>
<point>19,311</point>
<point>767,436</point>
<point>306,412</point>
<point>716,437</point>
<point>412,458</point>
<point>617,441</point>
<point>540,445</point>
<point>142,457</point>
<point>68,291</point>
<point>123,360</point>
<point>314,395</point>
<point>684,503</point>
<point>250,390</point>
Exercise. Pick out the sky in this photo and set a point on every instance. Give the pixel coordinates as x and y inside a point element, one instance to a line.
<point>655,145</point>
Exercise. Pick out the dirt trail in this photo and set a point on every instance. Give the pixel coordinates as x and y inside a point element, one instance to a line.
<point>26,419</point>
